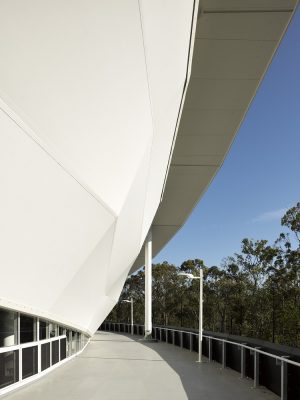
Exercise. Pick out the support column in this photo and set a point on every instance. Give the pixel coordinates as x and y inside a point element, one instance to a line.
<point>131,314</point>
<point>148,286</point>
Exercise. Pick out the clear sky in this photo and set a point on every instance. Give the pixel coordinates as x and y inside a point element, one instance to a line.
<point>260,177</point>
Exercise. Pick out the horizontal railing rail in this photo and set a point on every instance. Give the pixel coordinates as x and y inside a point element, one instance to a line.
<point>250,360</point>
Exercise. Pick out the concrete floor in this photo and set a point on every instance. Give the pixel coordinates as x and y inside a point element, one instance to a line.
<point>115,366</point>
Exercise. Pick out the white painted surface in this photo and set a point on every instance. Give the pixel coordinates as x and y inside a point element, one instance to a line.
<point>88,89</point>
<point>90,92</point>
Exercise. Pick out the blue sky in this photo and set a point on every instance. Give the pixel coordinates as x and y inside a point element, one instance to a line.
<point>260,177</point>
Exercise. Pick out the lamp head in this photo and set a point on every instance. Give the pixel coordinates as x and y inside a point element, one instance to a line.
<point>190,276</point>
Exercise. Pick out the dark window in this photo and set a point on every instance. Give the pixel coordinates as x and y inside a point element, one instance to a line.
<point>69,341</point>
<point>29,361</point>
<point>52,329</point>
<point>9,368</point>
<point>43,330</point>
<point>8,328</point>
<point>27,329</point>
<point>55,352</point>
<point>45,356</point>
<point>74,342</point>
<point>61,331</point>
<point>63,348</point>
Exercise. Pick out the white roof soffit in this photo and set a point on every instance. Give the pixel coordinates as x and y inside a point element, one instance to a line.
<point>234,44</point>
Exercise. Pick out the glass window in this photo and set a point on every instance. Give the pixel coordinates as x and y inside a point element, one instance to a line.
<point>79,341</point>
<point>52,329</point>
<point>45,356</point>
<point>55,351</point>
<point>27,329</point>
<point>61,331</point>
<point>29,361</point>
<point>8,328</point>
<point>74,342</point>
<point>69,342</point>
<point>43,330</point>
<point>63,349</point>
<point>9,368</point>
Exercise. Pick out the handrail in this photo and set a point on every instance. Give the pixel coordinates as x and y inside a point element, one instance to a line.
<point>256,349</point>
<point>283,361</point>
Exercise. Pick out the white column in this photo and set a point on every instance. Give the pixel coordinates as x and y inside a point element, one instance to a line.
<point>131,312</point>
<point>148,286</point>
<point>200,315</point>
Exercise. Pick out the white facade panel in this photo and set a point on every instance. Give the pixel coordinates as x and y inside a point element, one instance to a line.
<point>167,29</point>
<point>49,223</point>
<point>75,72</point>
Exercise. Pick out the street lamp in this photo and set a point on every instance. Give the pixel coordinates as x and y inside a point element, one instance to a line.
<point>131,309</point>
<point>191,276</point>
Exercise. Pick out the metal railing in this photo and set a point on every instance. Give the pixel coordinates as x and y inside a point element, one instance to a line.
<point>278,373</point>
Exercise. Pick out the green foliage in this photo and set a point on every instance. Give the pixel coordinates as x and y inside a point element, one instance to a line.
<point>254,293</point>
<point>291,219</point>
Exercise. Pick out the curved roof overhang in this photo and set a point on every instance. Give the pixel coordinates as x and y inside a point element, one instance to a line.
<point>234,44</point>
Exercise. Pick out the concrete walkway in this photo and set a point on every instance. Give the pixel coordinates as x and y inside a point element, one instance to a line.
<point>119,367</point>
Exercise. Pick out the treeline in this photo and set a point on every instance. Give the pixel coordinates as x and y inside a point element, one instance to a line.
<point>255,293</point>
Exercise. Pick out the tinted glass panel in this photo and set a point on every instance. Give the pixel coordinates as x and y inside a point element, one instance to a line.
<point>9,368</point>
<point>74,342</point>
<point>29,361</point>
<point>61,331</point>
<point>45,353</point>
<point>8,328</point>
<point>69,341</point>
<point>55,352</point>
<point>63,348</point>
<point>27,329</point>
<point>52,329</point>
<point>43,330</point>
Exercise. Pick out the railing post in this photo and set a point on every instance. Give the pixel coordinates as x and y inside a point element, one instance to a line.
<point>181,339</point>
<point>256,367</point>
<point>243,362</point>
<point>191,342</point>
<point>173,337</point>
<point>284,379</point>
<point>160,334</point>
<point>223,354</point>
<point>210,349</point>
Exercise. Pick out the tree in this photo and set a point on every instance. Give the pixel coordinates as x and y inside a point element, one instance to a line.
<point>255,292</point>
<point>291,220</point>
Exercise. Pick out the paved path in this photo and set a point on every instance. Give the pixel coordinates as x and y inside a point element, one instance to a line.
<point>117,367</point>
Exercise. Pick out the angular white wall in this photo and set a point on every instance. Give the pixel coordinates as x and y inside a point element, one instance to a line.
<point>89,94</point>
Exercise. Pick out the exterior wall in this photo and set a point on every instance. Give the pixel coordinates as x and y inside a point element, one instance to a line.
<point>89,97</point>
<point>30,347</point>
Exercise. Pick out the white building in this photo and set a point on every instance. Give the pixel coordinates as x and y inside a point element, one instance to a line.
<point>115,116</point>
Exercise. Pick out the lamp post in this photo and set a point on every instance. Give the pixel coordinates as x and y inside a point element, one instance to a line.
<point>191,276</point>
<point>131,312</point>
